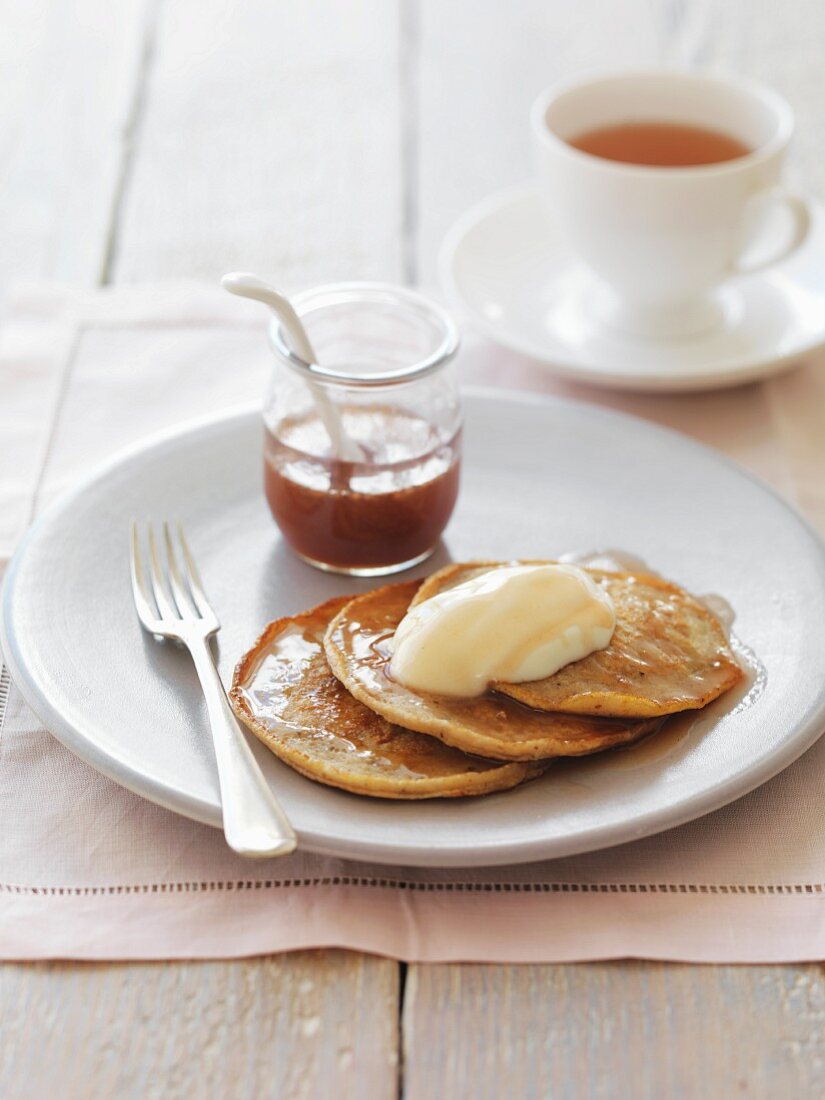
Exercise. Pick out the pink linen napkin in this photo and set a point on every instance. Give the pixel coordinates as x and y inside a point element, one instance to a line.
<point>89,870</point>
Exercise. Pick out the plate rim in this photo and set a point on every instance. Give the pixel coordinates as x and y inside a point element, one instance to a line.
<point>568,369</point>
<point>432,854</point>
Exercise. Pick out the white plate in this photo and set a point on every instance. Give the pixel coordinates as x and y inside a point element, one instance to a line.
<point>505,264</point>
<point>541,478</point>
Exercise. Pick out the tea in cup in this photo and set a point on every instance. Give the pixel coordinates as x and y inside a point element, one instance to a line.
<point>665,185</point>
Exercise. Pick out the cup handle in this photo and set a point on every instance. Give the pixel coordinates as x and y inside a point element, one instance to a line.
<point>801,216</point>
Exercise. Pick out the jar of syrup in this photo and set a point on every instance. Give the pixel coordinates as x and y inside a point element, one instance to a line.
<point>362,447</point>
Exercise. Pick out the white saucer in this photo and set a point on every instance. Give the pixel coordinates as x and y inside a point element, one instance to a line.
<point>504,262</point>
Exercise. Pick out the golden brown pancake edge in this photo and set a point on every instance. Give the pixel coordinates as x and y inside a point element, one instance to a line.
<point>615,682</point>
<point>493,726</point>
<point>372,732</point>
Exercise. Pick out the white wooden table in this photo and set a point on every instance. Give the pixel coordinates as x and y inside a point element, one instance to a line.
<point>312,140</point>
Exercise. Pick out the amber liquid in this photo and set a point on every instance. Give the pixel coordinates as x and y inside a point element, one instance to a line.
<point>385,511</point>
<point>660,144</point>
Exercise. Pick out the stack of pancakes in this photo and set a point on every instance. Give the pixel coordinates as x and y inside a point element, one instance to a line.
<point>317,690</point>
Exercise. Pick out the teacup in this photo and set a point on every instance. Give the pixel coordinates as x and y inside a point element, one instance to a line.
<point>661,240</point>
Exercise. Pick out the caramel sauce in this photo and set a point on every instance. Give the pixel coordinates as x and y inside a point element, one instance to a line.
<point>389,509</point>
<point>291,690</point>
<point>681,731</point>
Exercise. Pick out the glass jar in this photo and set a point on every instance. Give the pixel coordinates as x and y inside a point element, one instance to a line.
<point>375,499</point>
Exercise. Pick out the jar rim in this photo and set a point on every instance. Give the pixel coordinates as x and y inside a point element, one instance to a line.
<point>336,294</point>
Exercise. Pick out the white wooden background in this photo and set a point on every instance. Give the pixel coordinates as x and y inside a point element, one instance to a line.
<point>311,140</point>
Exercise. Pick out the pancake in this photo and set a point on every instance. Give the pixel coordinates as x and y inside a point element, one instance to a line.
<point>492,725</point>
<point>284,691</point>
<point>668,653</point>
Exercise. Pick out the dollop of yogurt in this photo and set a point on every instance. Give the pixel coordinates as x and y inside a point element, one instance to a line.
<point>512,623</point>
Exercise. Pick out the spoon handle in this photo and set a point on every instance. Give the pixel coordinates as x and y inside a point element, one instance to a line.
<point>250,286</point>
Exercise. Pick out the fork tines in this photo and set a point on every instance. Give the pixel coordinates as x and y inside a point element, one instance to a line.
<point>171,591</point>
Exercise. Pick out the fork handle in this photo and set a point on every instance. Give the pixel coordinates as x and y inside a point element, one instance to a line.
<point>253,822</point>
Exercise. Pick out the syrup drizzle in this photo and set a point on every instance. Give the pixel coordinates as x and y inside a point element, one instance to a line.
<point>689,725</point>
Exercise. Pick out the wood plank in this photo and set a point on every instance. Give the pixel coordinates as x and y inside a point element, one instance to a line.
<point>289,1026</point>
<point>629,1030</point>
<point>785,52</point>
<point>68,75</point>
<point>269,140</point>
<point>479,73</point>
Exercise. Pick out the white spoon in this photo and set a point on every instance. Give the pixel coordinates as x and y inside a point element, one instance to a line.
<point>250,286</point>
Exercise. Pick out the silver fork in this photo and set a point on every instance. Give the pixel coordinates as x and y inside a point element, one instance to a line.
<point>171,603</point>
